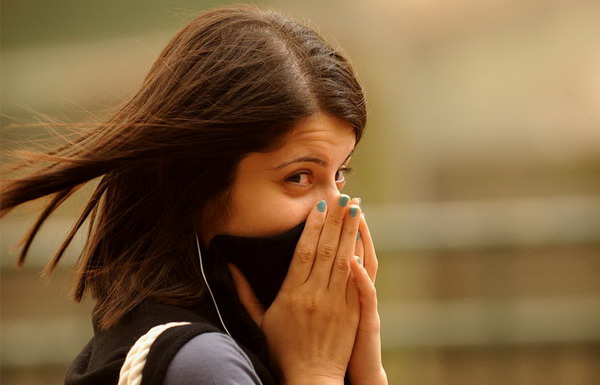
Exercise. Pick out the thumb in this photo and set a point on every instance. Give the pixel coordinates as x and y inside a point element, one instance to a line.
<point>246,294</point>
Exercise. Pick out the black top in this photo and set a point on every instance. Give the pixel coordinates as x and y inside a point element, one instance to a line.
<point>101,360</point>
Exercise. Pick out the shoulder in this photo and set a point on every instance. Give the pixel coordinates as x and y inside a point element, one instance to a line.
<point>211,359</point>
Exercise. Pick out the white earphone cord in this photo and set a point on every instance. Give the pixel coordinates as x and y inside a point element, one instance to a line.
<point>208,286</point>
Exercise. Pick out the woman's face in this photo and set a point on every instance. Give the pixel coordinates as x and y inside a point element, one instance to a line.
<point>275,191</point>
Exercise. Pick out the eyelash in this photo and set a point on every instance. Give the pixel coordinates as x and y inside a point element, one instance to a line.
<point>345,170</point>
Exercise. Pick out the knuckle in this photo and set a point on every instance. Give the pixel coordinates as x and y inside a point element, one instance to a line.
<point>372,292</point>
<point>350,232</point>
<point>300,302</point>
<point>293,301</point>
<point>285,296</point>
<point>313,226</point>
<point>327,251</point>
<point>304,254</point>
<point>372,265</point>
<point>377,321</point>
<point>342,265</point>
<point>311,304</point>
<point>353,284</point>
<point>336,220</point>
<point>375,325</point>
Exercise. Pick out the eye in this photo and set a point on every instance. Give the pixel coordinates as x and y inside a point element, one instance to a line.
<point>340,175</point>
<point>299,178</point>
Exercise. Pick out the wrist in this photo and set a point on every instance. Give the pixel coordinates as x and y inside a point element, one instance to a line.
<point>313,380</point>
<point>378,378</point>
<point>312,374</point>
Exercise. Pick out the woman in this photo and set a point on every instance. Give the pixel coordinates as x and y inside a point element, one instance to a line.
<point>220,249</point>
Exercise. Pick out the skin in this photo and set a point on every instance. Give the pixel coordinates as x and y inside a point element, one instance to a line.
<point>328,298</point>
<point>264,187</point>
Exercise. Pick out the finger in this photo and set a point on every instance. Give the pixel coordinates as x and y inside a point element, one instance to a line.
<point>359,249</point>
<point>370,261</point>
<point>346,249</point>
<point>369,317</point>
<point>246,294</point>
<point>306,249</point>
<point>329,241</point>
<point>352,291</point>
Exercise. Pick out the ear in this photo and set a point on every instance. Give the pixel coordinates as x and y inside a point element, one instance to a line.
<point>247,296</point>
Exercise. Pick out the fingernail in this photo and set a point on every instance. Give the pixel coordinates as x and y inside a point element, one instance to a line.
<point>343,200</point>
<point>321,206</point>
<point>362,214</point>
<point>359,201</point>
<point>354,209</point>
<point>357,258</point>
<point>358,236</point>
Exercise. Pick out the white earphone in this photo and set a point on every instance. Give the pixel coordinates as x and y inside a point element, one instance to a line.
<point>208,286</point>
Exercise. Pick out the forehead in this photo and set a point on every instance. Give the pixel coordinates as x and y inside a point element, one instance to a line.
<point>319,133</point>
<point>321,136</point>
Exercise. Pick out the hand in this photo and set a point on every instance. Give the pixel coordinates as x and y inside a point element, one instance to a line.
<point>312,324</point>
<point>365,363</point>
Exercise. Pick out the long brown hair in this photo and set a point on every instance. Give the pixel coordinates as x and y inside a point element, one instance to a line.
<point>231,82</point>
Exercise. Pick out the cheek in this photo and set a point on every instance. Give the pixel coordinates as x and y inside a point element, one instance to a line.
<point>268,215</point>
<point>286,215</point>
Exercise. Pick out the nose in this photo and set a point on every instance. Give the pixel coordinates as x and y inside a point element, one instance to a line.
<point>331,193</point>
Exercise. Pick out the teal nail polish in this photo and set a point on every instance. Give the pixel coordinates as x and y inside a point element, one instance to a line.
<point>354,210</point>
<point>343,200</point>
<point>358,236</point>
<point>321,206</point>
<point>359,201</point>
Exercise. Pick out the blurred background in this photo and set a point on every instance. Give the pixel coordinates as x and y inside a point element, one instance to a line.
<point>479,173</point>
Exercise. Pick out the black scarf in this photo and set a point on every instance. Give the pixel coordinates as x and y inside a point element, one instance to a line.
<point>263,261</point>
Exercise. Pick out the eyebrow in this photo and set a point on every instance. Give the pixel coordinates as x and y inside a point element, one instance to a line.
<point>310,159</point>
